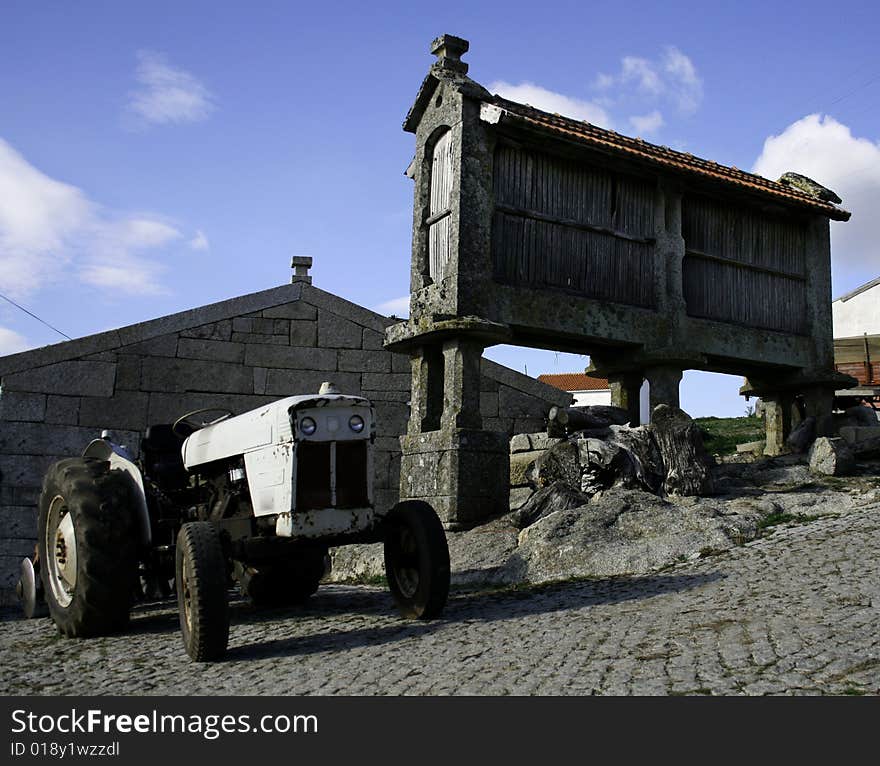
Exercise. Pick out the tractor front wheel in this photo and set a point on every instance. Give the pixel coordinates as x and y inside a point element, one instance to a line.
<point>202,598</point>
<point>416,560</point>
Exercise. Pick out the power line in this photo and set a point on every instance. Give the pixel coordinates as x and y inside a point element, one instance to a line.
<point>31,313</point>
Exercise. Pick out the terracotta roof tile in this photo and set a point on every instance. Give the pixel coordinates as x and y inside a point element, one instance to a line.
<point>574,381</point>
<point>587,133</point>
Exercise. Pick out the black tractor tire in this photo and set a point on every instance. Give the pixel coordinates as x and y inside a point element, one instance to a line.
<point>285,583</point>
<point>202,597</point>
<point>88,590</point>
<point>416,560</point>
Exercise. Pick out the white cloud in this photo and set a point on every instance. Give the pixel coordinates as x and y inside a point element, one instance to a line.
<point>39,217</point>
<point>399,307</point>
<point>642,73</point>
<point>824,149</point>
<point>684,84</point>
<point>550,101</point>
<point>672,77</point>
<point>647,123</point>
<point>50,230</point>
<point>167,94</point>
<point>199,241</point>
<point>11,342</point>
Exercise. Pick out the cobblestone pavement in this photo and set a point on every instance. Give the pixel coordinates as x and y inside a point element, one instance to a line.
<point>794,612</point>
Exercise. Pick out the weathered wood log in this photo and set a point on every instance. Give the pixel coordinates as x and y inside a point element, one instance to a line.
<point>685,458</point>
<point>562,421</point>
<point>556,497</point>
<point>622,457</point>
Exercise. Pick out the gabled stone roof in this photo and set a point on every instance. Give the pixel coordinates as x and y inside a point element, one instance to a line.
<point>238,306</point>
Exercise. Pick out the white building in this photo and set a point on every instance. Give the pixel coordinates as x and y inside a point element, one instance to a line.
<point>586,390</point>
<point>858,313</point>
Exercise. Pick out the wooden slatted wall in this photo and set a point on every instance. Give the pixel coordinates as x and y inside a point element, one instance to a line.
<point>565,225</point>
<point>439,214</point>
<point>743,267</point>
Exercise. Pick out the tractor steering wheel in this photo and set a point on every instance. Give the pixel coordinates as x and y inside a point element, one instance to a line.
<point>187,424</point>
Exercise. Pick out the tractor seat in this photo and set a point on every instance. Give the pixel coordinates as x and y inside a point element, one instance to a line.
<point>163,462</point>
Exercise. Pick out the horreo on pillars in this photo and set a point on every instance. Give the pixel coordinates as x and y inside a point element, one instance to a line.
<point>539,230</point>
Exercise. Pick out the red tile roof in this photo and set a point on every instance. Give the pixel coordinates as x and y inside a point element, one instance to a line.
<point>584,132</point>
<point>574,381</point>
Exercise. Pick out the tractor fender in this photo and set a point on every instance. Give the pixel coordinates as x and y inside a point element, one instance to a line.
<point>119,460</point>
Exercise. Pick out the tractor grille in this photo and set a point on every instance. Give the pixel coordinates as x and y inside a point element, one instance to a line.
<point>351,474</point>
<point>313,476</point>
<point>316,487</point>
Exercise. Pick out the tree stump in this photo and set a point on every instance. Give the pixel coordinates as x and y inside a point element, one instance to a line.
<point>681,446</point>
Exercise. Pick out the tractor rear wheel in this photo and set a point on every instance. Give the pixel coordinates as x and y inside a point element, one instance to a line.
<point>87,546</point>
<point>416,560</point>
<point>202,597</point>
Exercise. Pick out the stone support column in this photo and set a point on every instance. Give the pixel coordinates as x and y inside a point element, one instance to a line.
<point>819,401</point>
<point>461,384</point>
<point>777,422</point>
<point>426,395</point>
<point>626,394</point>
<point>664,381</point>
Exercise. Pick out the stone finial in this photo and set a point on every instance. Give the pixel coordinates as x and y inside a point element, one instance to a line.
<point>301,265</point>
<point>449,49</point>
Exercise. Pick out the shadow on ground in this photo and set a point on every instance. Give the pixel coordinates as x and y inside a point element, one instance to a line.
<point>484,606</point>
<point>372,603</point>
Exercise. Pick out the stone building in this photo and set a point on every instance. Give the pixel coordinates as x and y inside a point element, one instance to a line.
<point>236,354</point>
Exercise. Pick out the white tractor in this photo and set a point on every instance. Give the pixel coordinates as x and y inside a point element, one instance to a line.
<point>257,498</point>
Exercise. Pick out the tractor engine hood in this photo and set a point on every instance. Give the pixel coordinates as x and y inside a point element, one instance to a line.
<point>259,428</point>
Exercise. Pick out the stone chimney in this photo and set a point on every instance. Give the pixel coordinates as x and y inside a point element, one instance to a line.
<point>449,49</point>
<point>301,265</point>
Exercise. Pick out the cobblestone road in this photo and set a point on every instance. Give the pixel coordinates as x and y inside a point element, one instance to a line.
<point>797,611</point>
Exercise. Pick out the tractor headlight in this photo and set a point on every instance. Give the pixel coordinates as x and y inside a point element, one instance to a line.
<point>308,426</point>
<point>356,423</point>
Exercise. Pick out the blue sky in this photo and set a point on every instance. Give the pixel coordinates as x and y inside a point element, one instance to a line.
<point>158,156</point>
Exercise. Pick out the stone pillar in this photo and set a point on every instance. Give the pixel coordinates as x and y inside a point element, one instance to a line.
<point>664,381</point>
<point>448,460</point>
<point>426,396</point>
<point>819,401</point>
<point>669,252</point>
<point>818,292</point>
<point>777,422</point>
<point>626,393</point>
<point>461,384</point>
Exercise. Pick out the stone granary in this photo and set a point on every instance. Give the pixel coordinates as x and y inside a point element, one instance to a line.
<point>237,354</point>
<point>534,229</point>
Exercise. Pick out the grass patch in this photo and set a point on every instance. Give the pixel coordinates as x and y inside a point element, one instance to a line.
<point>775,519</point>
<point>721,435</point>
